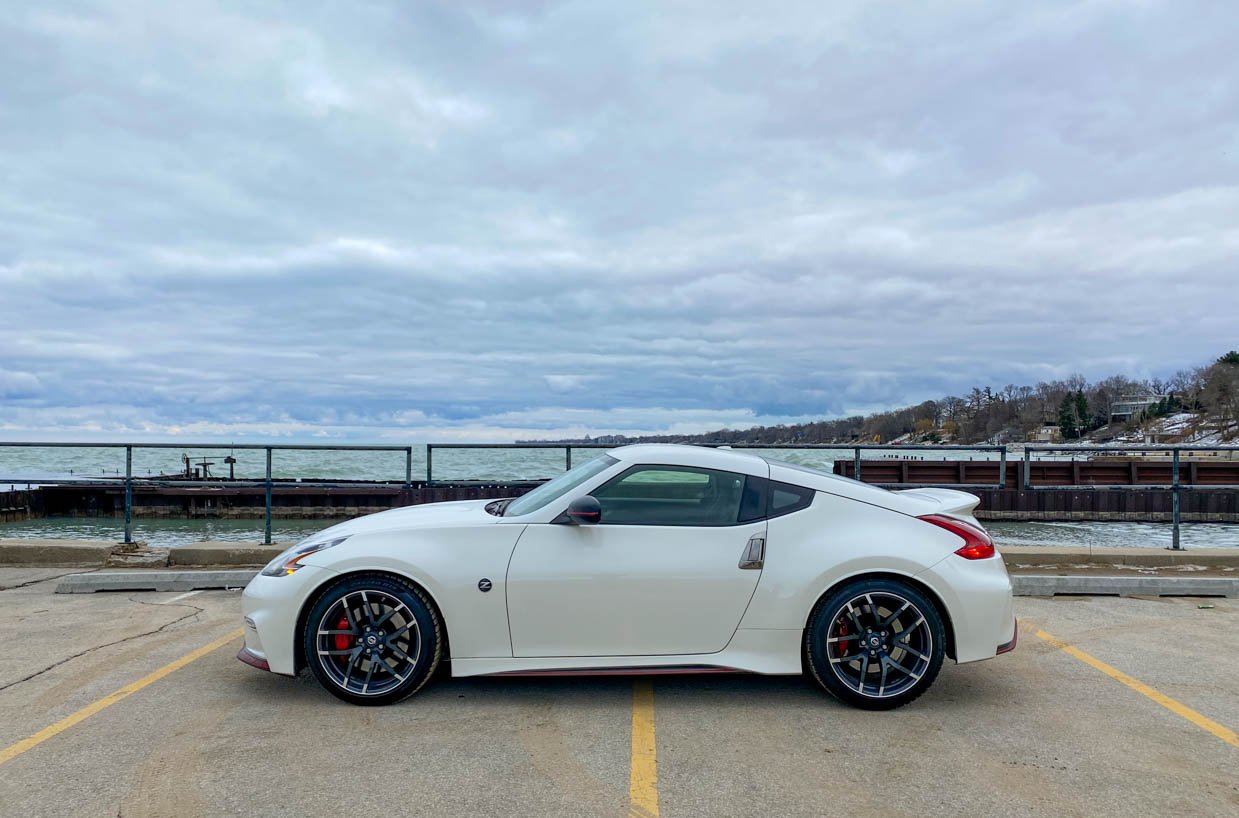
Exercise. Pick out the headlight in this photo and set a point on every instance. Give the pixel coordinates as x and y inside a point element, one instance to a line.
<point>290,560</point>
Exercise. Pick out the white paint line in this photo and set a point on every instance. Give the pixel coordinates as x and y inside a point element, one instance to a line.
<point>179,597</point>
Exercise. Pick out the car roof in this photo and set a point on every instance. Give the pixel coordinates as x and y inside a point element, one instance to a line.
<point>724,459</point>
<point>702,457</point>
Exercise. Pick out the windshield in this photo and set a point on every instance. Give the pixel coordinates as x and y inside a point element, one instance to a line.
<point>558,487</point>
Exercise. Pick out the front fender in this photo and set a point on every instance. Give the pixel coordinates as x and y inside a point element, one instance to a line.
<point>449,564</point>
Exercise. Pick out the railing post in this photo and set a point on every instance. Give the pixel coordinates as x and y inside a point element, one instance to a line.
<point>1027,469</point>
<point>856,464</point>
<point>267,538</point>
<point>567,458</point>
<point>128,494</point>
<point>429,462</point>
<point>408,468</point>
<point>1174,502</point>
<point>1002,468</point>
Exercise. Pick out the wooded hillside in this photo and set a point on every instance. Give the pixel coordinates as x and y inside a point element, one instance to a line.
<point>1076,407</point>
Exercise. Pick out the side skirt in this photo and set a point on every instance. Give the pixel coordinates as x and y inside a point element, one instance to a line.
<point>662,670</point>
<point>766,651</point>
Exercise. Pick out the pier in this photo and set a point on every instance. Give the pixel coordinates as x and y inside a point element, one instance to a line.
<point>319,500</point>
<point>17,505</point>
<point>1108,488</point>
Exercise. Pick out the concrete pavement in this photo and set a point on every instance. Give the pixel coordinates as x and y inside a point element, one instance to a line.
<point>1037,732</point>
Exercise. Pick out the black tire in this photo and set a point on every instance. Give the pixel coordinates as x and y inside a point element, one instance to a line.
<point>897,647</point>
<point>372,639</point>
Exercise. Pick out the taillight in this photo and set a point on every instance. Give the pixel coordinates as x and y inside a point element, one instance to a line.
<point>977,544</point>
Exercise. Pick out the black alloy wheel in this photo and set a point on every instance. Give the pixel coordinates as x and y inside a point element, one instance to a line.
<point>372,639</point>
<point>875,644</point>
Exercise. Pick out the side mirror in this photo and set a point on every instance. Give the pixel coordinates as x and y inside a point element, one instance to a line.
<point>584,511</point>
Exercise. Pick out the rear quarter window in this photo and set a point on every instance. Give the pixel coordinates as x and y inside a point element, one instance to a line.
<point>787,499</point>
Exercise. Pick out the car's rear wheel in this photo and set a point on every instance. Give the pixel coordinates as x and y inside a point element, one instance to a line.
<point>876,643</point>
<point>372,639</point>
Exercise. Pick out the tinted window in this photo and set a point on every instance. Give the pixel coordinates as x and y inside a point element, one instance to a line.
<point>672,495</point>
<point>786,498</point>
<point>753,501</point>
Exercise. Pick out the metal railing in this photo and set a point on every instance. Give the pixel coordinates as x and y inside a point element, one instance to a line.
<point>269,483</point>
<point>855,448</point>
<point>1175,486</point>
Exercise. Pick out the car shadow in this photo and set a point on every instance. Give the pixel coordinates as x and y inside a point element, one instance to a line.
<point>955,684</point>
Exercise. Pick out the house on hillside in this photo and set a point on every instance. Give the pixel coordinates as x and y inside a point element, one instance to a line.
<point>1048,433</point>
<point>1128,406</point>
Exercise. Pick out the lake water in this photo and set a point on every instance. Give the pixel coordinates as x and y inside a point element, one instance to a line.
<point>35,465</point>
<point>1115,535</point>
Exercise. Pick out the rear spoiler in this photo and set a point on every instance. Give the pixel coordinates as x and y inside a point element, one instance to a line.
<point>950,502</point>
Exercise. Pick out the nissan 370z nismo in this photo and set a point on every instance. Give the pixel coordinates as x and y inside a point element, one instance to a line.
<point>647,559</point>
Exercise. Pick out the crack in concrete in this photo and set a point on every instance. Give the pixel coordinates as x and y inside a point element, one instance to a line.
<point>194,614</point>
<point>49,579</point>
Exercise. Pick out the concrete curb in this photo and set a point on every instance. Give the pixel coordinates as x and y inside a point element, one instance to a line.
<point>153,581</point>
<point>98,553</point>
<point>84,553</point>
<point>224,554</point>
<point>1034,585</point>
<point>101,553</point>
<point>1144,557</point>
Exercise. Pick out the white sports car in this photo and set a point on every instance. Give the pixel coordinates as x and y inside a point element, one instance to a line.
<point>647,559</point>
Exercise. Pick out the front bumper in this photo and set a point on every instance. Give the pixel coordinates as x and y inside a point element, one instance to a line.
<point>253,659</point>
<point>270,606</point>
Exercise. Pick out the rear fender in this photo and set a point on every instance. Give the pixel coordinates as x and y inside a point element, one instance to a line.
<point>835,539</point>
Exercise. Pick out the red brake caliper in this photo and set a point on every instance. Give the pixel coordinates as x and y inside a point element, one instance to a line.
<point>842,644</point>
<point>343,640</point>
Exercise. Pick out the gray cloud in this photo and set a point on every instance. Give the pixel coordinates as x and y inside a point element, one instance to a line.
<point>496,220</point>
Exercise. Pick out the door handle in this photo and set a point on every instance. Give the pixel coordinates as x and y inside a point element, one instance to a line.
<point>754,556</point>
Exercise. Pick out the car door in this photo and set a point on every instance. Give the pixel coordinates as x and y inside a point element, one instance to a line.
<point>659,574</point>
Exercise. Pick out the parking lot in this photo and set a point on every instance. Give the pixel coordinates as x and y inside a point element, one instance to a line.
<point>110,706</point>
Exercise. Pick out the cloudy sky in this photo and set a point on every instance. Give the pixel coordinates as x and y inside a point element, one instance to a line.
<point>492,220</point>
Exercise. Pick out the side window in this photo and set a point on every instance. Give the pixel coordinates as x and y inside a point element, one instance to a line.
<point>786,498</point>
<point>753,501</point>
<point>672,495</point>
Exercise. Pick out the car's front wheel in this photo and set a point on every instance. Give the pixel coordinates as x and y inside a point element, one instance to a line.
<point>875,643</point>
<point>372,639</point>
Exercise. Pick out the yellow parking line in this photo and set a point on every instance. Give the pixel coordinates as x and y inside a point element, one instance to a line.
<point>643,775</point>
<point>1203,722</point>
<point>14,750</point>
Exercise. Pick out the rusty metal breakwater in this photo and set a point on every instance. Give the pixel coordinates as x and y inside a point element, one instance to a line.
<point>17,505</point>
<point>1105,489</point>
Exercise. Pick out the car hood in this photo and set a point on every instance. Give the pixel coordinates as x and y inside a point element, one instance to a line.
<point>426,515</point>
